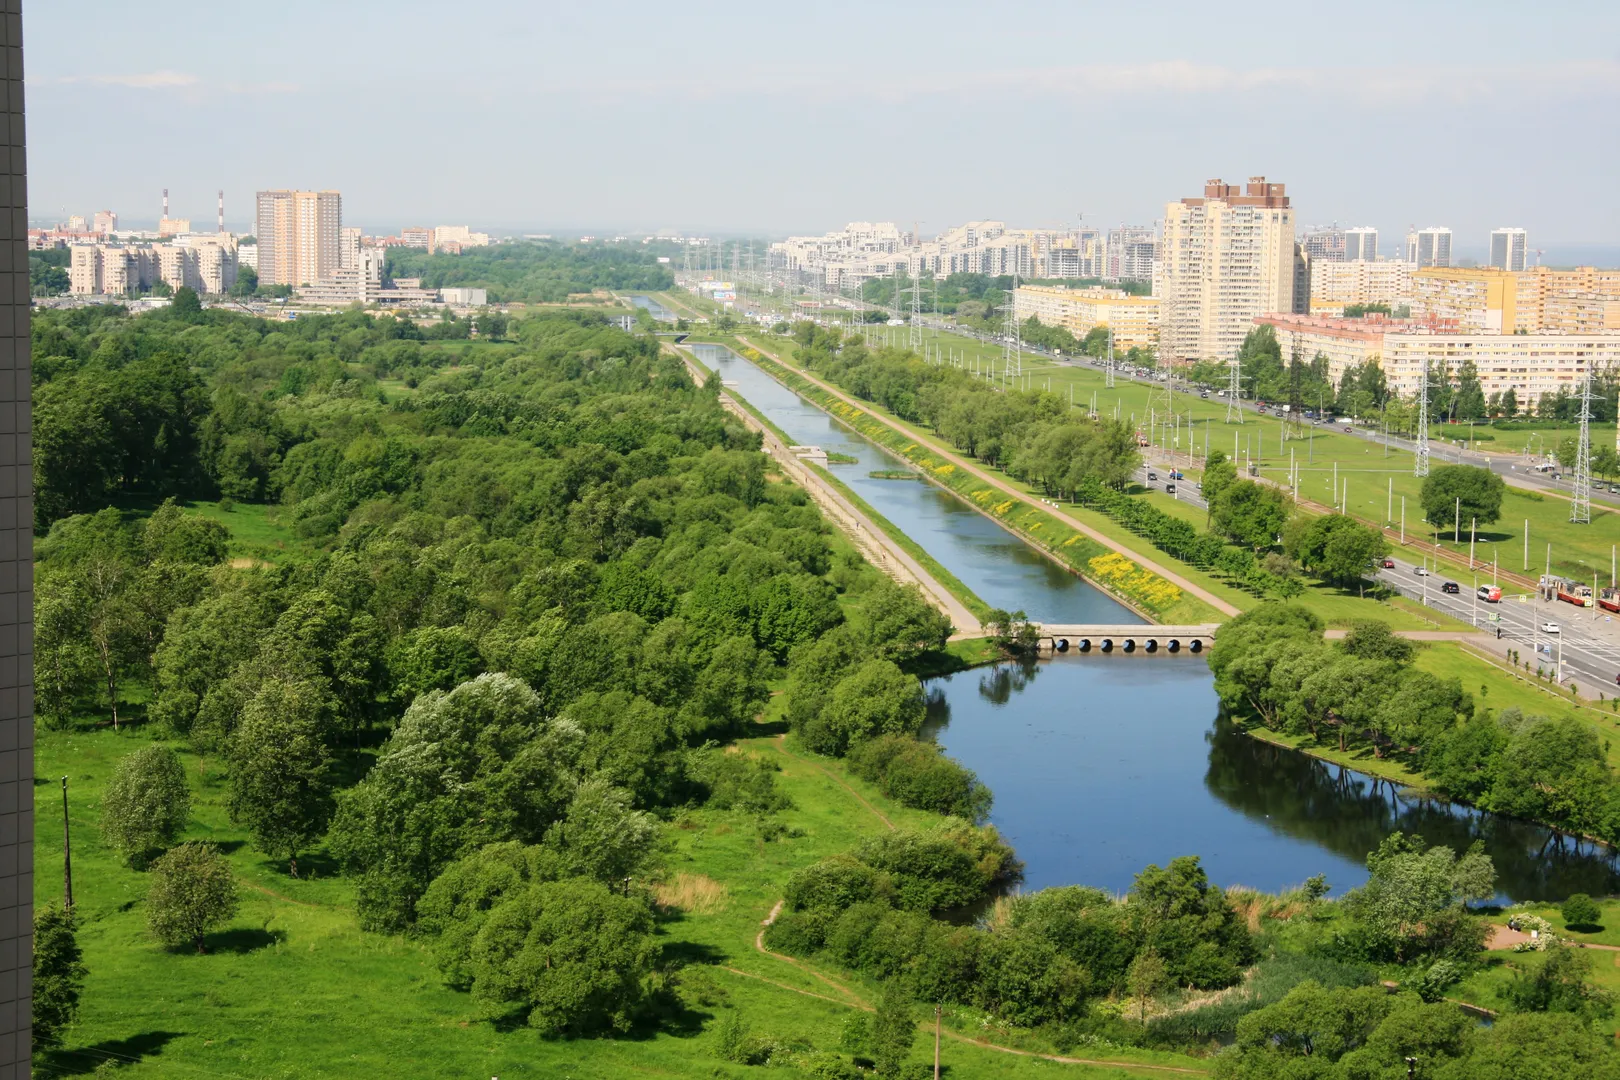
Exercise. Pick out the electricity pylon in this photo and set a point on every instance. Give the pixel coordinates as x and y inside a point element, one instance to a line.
<point>915,339</point>
<point>1234,390</point>
<point>1108,371</point>
<point>1580,504</point>
<point>1012,353</point>
<point>1420,460</point>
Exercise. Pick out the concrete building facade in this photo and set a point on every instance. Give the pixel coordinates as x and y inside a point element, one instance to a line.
<point>16,580</point>
<point>1134,319</point>
<point>1361,244</point>
<point>1361,281</point>
<point>299,235</point>
<point>1226,258</point>
<point>1429,247</point>
<point>1510,249</point>
<point>1530,364</point>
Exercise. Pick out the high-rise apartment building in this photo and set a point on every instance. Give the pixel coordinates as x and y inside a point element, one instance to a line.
<point>1509,249</point>
<point>1429,247</point>
<point>104,222</point>
<point>299,235</point>
<point>1325,244</point>
<point>16,579</point>
<point>1226,258</point>
<point>1130,254</point>
<point>1361,244</point>
<point>1361,281</point>
<point>349,249</point>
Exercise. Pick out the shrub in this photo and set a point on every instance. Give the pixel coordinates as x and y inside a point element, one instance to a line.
<point>918,774</point>
<point>1581,910</point>
<point>147,802</point>
<point>192,892</point>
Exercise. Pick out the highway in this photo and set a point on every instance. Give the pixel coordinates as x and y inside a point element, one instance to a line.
<point>1587,644</point>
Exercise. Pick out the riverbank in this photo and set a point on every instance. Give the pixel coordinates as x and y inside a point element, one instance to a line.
<point>873,536</point>
<point>1158,593</point>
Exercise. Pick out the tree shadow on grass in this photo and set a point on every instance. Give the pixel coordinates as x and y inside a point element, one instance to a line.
<point>242,940</point>
<point>85,1059</point>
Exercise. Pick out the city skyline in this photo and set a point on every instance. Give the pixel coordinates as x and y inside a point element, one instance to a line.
<point>1039,138</point>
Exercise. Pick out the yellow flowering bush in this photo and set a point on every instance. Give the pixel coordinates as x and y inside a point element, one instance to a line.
<point>1128,579</point>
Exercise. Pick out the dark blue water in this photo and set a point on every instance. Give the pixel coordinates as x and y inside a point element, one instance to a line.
<point>1102,765</point>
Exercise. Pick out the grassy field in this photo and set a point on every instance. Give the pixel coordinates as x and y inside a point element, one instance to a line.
<point>292,987</point>
<point>1485,987</point>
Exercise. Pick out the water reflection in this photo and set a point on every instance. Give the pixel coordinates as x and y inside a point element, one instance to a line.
<point>1350,813</point>
<point>1103,765</point>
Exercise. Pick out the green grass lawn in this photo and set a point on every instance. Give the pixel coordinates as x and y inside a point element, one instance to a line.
<point>293,988</point>
<point>1485,987</point>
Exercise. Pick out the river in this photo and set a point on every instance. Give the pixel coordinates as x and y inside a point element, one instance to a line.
<point>1103,764</point>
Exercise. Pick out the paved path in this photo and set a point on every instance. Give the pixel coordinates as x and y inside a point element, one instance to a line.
<point>1502,939</point>
<point>873,542</point>
<point>1203,594</point>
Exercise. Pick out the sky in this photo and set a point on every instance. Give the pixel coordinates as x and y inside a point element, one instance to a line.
<point>518,115</point>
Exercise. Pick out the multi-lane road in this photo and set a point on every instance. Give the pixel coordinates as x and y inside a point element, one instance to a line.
<point>1585,649</point>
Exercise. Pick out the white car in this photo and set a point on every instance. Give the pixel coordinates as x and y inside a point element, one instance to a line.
<point>1549,628</point>
<point>1421,571</point>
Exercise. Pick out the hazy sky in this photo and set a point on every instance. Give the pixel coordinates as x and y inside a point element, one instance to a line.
<point>775,118</point>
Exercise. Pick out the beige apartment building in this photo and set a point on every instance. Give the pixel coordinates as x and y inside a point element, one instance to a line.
<point>1507,302</point>
<point>1226,258</point>
<point>1532,364</point>
<point>1133,319</point>
<point>1361,281</point>
<point>206,264</point>
<point>299,234</point>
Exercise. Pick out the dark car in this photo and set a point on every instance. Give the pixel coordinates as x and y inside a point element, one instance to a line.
<point>1450,587</point>
<point>1152,475</point>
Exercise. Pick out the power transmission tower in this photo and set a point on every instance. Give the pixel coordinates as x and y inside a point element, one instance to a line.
<point>1420,460</point>
<point>1108,371</point>
<point>1234,390</point>
<point>915,339</point>
<point>1580,505</point>
<point>1012,354</point>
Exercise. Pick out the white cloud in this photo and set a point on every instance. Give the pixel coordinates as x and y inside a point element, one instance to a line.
<point>173,80</point>
<point>148,80</point>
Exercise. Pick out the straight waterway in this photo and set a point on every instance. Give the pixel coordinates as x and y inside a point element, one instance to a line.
<point>1101,765</point>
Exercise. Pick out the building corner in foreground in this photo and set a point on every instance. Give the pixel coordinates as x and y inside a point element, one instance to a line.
<point>16,584</point>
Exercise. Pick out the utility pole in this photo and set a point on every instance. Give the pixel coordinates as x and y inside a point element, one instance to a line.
<point>1580,503</point>
<point>1420,459</point>
<point>1012,357</point>
<point>936,1042</point>
<point>67,850</point>
<point>1234,390</point>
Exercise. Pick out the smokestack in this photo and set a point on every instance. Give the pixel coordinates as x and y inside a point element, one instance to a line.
<point>165,203</point>
<point>221,211</point>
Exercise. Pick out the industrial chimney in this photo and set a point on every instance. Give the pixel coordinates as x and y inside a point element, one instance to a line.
<point>221,211</point>
<point>165,204</point>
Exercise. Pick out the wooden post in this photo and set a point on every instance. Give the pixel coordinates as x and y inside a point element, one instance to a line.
<point>67,852</point>
<point>936,1042</point>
